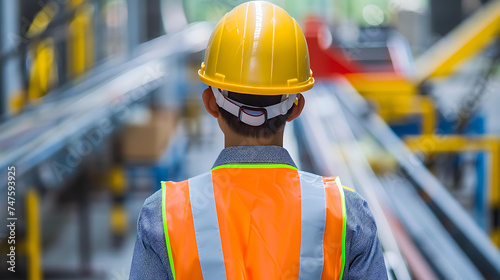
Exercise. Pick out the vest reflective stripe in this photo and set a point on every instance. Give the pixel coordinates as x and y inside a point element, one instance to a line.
<point>165,226</point>
<point>262,224</point>
<point>206,227</point>
<point>334,252</point>
<point>344,223</point>
<point>178,225</point>
<point>313,221</point>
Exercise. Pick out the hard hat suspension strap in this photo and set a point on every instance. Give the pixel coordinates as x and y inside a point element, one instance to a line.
<point>251,115</point>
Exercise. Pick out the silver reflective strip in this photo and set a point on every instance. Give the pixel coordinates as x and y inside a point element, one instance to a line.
<point>206,227</point>
<point>313,222</point>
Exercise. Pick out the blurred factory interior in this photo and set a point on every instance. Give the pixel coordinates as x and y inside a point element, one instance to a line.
<point>100,101</point>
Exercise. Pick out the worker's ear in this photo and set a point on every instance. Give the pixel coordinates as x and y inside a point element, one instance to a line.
<point>297,109</point>
<point>210,103</point>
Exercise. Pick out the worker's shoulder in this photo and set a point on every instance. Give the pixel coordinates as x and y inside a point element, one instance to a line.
<point>151,209</point>
<point>359,215</point>
<point>153,200</point>
<point>328,179</point>
<point>354,200</point>
<point>183,184</point>
<point>150,230</point>
<point>150,221</point>
<point>356,205</point>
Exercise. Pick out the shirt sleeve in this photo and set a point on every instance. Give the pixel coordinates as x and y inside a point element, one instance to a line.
<point>150,259</point>
<point>364,257</point>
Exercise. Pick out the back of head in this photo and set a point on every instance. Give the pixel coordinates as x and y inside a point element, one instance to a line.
<point>256,62</point>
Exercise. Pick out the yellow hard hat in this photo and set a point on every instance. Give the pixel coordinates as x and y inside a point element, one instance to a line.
<point>257,48</point>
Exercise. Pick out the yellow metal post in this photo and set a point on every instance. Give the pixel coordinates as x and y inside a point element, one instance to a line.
<point>33,248</point>
<point>118,215</point>
<point>17,101</point>
<point>81,40</point>
<point>42,73</point>
<point>43,69</point>
<point>428,115</point>
<point>432,144</point>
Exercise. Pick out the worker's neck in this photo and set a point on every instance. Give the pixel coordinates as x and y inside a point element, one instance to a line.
<point>232,139</point>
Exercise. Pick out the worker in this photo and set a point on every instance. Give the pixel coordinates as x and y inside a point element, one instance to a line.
<point>254,215</point>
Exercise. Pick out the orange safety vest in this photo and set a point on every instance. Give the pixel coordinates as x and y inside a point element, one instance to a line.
<point>255,221</point>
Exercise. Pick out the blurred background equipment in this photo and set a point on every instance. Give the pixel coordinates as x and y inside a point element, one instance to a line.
<point>100,100</point>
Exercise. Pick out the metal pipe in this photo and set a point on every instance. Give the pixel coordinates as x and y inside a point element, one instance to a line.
<point>9,67</point>
<point>134,26</point>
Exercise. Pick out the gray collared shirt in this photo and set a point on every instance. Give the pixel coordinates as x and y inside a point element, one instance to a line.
<point>364,259</point>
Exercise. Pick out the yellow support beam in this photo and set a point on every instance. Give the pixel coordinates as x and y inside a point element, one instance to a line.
<point>466,40</point>
<point>396,108</point>
<point>428,115</point>
<point>17,100</point>
<point>81,39</point>
<point>117,180</point>
<point>119,219</point>
<point>433,144</point>
<point>43,69</point>
<point>396,97</point>
<point>43,19</point>
<point>383,83</point>
<point>33,248</point>
<point>118,215</point>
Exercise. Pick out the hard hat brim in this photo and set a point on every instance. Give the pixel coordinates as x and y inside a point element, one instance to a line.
<point>302,87</point>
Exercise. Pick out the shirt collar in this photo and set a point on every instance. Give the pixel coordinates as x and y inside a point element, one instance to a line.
<point>254,155</point>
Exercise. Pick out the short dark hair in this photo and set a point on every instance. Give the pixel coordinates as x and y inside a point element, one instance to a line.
<point>265,130</point>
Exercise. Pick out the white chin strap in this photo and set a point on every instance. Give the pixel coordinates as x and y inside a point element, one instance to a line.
<point>254,116</point>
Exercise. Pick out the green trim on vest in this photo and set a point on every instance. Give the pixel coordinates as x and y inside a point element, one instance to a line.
<point>344,226</point>
<point>254,166</point>
<point>165,229</point>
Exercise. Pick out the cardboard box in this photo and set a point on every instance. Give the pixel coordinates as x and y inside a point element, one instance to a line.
<point>147,141</point>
